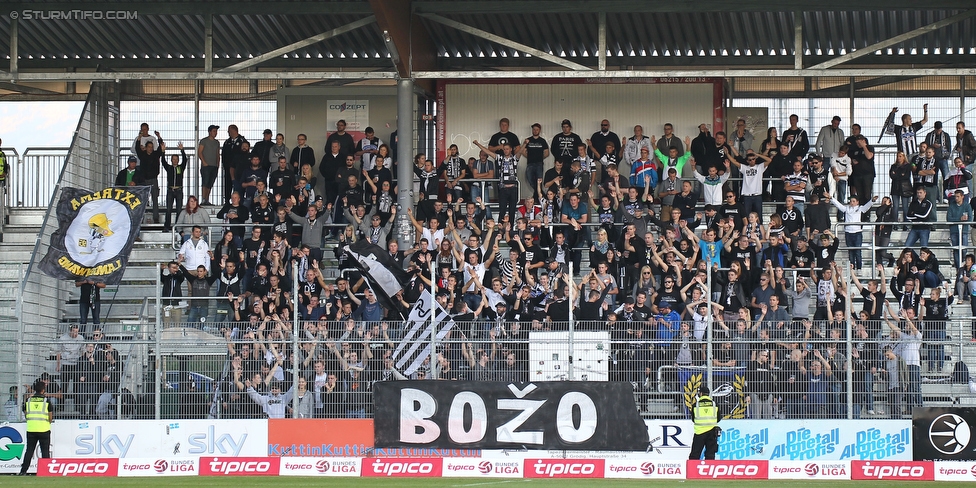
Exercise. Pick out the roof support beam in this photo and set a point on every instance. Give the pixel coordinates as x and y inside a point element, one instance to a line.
<point>410,45</point>
<point>596,76</point>
<point>220,7</point>
<point>200,75</point>
<point>507,42</point>
<point>895,40</point>
<point>602,43</point>
<point>25,89</point>
<point>13,46</point>
<point>797,40</point>
<point>208,43</point>
<point>630,6</point>
<point>300,44</point>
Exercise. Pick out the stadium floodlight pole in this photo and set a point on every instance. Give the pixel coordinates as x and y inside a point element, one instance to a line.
<point>405,102</point>
<point>572,323</point>
<point>294,335</point>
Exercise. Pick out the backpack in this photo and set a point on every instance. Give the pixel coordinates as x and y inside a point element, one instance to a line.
<point>960,374</point>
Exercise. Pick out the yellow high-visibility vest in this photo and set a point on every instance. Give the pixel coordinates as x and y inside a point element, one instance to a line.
<point>37,414</point>
<point>706,415</point>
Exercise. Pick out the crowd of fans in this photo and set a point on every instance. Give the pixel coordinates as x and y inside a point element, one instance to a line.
<point>658,219</point>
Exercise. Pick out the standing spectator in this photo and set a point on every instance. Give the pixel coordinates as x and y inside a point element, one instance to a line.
<point>796,139</point>
<point>277,151</point>
<point>902,185</point>
<point>71,345</point>
<point>935,317</point>
<point>200,281</point>
<point>927,172</point>
<point>502,137</point>
<point>483,168</point>
<point>958,179</point>
<point>840,170</point>
<point>149,161</point>
<point>907,132</point>
<point>262,149</point>
<point>174,185</point>
<point>235,214</point>
<point>172,283</point>
<point>965,144</point>
<point>818,379</point>
<point>565,143</point>
<point>536,150</point>
<point>909,342</point>
<point>919,214</point>
<point>939,140</point>
<point>829,140</point>
<point>632,147</point>
<point>346,143</point>
<point>208,154</point>
<point>195,251</point>
<point>130,175</point>
<point>853,231</point>
<point>861,181</point>
<point>90,300</point>
<point>599,140</point>
<point>960,211</point>
<point>232,147</point>
<point>302,154</point>
<point>761,386</point>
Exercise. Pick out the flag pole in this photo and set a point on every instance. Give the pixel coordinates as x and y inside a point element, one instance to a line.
<point>433,312</point>
<point>572,322</point>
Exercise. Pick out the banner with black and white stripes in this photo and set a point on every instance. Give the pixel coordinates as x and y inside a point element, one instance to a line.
<point>426,319</point>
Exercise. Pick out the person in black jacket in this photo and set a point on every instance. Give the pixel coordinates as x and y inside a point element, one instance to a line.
<point>174,185</point>
<point>171,279</point>
<point>130,175</point>
<point>149,160</point>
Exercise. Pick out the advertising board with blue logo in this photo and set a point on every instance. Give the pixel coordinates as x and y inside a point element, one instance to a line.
<point>815,440</point>
<point>13,443</point>
<point>155,438</point>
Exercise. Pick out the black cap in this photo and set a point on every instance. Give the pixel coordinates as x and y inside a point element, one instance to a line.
<point>630,300</point>
<point>132,159</point>
<point>938,124</point>
<point>212,127</point>
<point>837,118</point>
<point>268,131</point>
<point>703,390</point>
<point>318,198</point>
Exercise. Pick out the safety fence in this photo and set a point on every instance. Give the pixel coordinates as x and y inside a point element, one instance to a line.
<point>216,368</point>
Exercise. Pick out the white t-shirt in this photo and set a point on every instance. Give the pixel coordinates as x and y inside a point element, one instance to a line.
<point>752,179</point>
<point>433,240</point>
<point>841,165</point>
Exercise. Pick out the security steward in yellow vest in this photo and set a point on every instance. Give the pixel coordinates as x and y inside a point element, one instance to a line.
<point>38,412</point>
<point>705,414</point>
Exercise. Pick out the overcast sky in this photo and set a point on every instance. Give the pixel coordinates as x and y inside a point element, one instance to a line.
<point>38,124</point>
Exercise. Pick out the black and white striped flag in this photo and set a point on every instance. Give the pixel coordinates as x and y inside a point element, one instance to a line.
<point>426,319</point>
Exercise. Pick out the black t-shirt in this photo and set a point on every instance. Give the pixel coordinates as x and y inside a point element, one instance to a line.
<point>564,147</point>
<point>500,138</point>
<point>873,303</point>
<point>535,150</point>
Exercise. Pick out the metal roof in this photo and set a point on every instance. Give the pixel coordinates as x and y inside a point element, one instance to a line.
<point>168,35</point>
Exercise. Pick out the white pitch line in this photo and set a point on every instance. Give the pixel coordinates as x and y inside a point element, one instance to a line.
<point>495,483</point>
